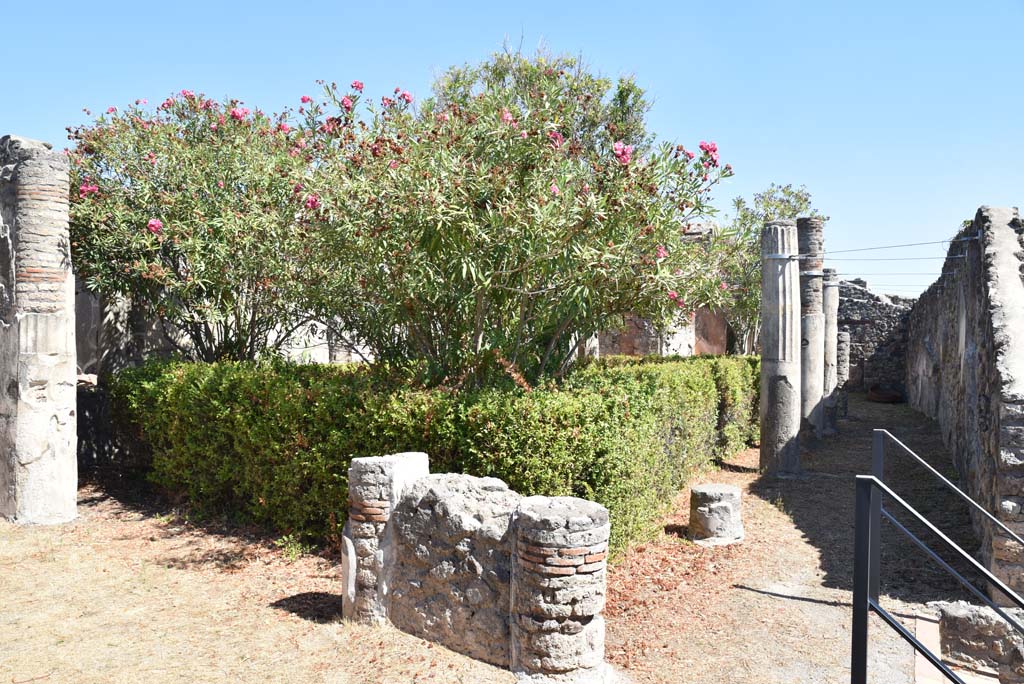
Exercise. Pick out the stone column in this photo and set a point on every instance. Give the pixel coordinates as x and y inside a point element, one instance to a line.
<point>375,485</point>
<point>830,303</point>
<point>559,579</point>
<point>780,349</point>
<point>38,431</point>
<point>842,372</point>
<point>810,236</point>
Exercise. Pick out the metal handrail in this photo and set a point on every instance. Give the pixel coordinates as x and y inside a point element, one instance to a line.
<point>867,548</point>
<point>956,490</point>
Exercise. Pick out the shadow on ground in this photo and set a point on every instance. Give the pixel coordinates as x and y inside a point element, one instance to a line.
<point>315,606</point>
<point>822,503</point>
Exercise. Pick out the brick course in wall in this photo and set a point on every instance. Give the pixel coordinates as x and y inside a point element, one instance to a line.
<point>518,582</point>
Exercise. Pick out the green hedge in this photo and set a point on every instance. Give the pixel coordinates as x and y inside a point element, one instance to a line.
<point>271,443</point>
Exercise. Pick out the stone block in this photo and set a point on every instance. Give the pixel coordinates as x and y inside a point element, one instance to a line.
<point>715,515</point>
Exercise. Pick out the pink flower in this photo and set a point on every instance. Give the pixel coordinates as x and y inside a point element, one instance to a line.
<point>710,149</point>
<point>523,135</point>
<point>556,138</point>
<point>346,102</point>
<point>142,101</point>
<point>554,190</point>
<point>155,226</point>
<point>306,99</point>
<point>283,127</point>
<point>406,96</point>
<point>661,252</point>
<point>239,113</point>
<point>393,164</point>
<point>506,116</point>
<point>167,103</point>
<point>386,101</point>
<point>723,286</point>
<point>220,184</point>
<point>298,188</point>
<point>313,201</point>
<point>111,110</point>
<point>86,189</point>
<point>213,127</point>
<point>443,117</point>
<point>151,158</point>
<point>672,294</point>
<point>357,85</point>
<point>187,94</point>
<point>622,152</point>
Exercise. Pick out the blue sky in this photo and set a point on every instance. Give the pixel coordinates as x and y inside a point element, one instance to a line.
<point>900,117</point>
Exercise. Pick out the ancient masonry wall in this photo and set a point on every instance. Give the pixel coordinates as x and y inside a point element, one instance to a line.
<point>706,334</point>
<point>518,582</point>
<point>878,335</point>
<point>38,471</point>
<point>965,368</point>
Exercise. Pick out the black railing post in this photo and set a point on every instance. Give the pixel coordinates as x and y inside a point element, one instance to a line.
<point>861,581</point>
<point>878,470</point>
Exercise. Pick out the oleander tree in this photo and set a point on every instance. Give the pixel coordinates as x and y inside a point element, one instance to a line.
<point>190,210</point>
<point>519,209</point>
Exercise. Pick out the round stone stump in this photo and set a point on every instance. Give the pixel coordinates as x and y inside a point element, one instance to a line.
<point>715,515</point>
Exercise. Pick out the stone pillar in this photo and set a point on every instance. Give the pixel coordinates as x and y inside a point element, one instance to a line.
<point>38,431</point>
<point>559,579</point>
<point>810,236</point>
<point>780,349</point>
<point>842,372</point>
<point>830,303</point>
<point>716,515</point>
<point>375,485</point>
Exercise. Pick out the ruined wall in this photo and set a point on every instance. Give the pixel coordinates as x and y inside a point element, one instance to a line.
<point>706,334</point>
<point>38,471</point>
<point>965,368</point>
<point>878,335</point>
<point>518,582</point>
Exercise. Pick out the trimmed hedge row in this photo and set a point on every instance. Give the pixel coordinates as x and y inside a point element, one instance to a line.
<point>271,443</point>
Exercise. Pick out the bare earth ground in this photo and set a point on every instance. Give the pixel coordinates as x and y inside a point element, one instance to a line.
<point>131,592</point>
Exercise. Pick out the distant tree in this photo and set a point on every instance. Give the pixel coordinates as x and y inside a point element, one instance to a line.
<point>741,237</point>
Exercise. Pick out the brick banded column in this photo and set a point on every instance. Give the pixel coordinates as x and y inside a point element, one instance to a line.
<point>780,349</point>
<point>811,239</point>
<point>842,373</point>
<point>830,303</point>
<point>559,578</point>
<point>374,486</point>
<point>38,426</point>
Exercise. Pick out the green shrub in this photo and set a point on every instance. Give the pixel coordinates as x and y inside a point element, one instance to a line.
<point>271,443</point>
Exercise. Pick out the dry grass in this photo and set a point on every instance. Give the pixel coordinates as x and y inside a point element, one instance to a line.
<point>123,595</point>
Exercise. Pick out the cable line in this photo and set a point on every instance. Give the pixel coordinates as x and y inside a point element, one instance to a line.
<point>909,244</point>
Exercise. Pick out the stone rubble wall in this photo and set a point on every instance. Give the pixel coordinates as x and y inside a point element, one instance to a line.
<point>38,469</point>
<point>518,582</point>
<point>878,335</point>
<point>965,369</point>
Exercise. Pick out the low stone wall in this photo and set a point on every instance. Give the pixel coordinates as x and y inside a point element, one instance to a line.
<point>518,582</point>
<point>878,335</point>
<point>965,368</point>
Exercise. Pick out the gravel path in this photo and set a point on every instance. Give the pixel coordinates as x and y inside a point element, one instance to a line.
<point>776,609</point>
